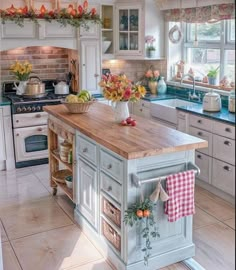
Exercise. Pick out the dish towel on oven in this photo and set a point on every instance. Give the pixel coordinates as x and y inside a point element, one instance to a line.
<point>180,188</point>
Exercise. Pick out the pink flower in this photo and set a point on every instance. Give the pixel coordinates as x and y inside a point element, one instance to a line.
<point>156,73</point>
<point>149,74</point>
<point>127,93</point>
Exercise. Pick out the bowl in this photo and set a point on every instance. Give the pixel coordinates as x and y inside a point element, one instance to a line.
<point>69,181</point>
<point>105,45</point>
<point>78,107</point>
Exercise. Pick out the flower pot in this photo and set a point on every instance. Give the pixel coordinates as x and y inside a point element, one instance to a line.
<point>212,80</point>
<point>151,54</point>
<point>121,110</point>
<point>162,86</point>
<point>153,87</point>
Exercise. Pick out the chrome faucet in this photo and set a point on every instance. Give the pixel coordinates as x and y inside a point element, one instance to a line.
<point>194,95</point>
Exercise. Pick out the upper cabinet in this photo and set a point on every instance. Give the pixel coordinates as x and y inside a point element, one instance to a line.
<point>129,29</point>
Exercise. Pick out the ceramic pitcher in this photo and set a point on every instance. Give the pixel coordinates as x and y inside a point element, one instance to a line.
<point>121,110</point>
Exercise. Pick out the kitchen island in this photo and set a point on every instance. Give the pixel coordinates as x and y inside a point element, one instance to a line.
<point>109,161</point>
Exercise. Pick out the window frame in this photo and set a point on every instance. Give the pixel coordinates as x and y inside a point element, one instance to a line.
<point>223,44</point>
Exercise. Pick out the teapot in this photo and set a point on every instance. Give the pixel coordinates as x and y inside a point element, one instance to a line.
<point>62,88</point>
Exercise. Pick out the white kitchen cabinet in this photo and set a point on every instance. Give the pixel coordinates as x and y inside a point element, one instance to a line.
<point>2,138</point>
<point>204,162</point>
<point>10,30</point>
<point>129,29</point>
<point>182,121</point>
<point>90,65</point>
<point>88,190</point>
<point>92,31</point>
<point>141,108</point>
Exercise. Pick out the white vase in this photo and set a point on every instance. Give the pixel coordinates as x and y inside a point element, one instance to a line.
<point>121,110</point>
<point>20,88</point>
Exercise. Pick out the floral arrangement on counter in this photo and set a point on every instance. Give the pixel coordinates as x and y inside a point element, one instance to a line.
<point>142,214</point>
<point>152,75</point>
<point>21,70</point>
<point>66,16</point>
<point>120,88</point>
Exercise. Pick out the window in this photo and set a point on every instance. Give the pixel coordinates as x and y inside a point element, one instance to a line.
<point>215,48</point>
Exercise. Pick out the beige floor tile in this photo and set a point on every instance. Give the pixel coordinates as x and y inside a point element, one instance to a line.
<point>201,219</point>
<point>215,247</point>
<point>66,204</point>
<point>176,266</point>
<point>34,217</point>
<point>9,259</point>
<point>218,209</point>
<point>97,265</point>
<point>18,193</point>
<point>58,249</point>
<point>230,223</point>
<point>3,233</point>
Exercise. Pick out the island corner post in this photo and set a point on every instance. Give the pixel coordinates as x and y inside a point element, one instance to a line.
<point>106,157</point>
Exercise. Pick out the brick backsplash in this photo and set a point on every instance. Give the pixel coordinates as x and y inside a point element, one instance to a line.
<point>135,69</point>
<point>48,62</point>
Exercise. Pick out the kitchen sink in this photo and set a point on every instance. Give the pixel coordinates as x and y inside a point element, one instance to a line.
<point>165,110</point>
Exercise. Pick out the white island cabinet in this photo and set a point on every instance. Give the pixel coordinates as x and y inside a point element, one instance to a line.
<point>109,157</point>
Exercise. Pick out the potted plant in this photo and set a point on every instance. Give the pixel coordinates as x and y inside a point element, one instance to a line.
<point>151,50</point>
<point>141,214</point>
<point>212,75</point>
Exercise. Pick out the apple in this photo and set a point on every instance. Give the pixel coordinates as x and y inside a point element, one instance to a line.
<point>133,123</point>
<point>124,123</point>
<point>129,120</point>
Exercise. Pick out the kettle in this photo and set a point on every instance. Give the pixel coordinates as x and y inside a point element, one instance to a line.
<point>212,102</point>
<point>62,88</point>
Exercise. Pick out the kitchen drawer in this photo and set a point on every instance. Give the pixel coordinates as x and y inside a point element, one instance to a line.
<point>224,130</point>
<point>111,212</point>
<point>30,119</point>
<point>142,103</point>
<point>223,176</point>
<point>87,149</point>
<point>112,165</point>
<point>141,111</point>
<point>204,162</point>
<point>205,136</point>
<point>224,149</point>
<point>62,132</point>
<point>111,235</point>
<point>111,187</point>
<point>200,122</point>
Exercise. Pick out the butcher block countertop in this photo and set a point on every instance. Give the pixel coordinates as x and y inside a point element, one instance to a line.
<point>146,139</point>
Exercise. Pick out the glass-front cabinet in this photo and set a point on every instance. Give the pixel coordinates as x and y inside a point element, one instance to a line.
<point>130,29</point>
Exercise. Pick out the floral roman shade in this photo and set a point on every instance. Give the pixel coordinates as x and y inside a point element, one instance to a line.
<point>201,14</point>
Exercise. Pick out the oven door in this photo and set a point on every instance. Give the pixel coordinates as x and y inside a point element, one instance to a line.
<point>31,143</point>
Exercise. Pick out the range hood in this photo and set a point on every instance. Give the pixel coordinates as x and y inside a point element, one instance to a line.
<point>42,34</point>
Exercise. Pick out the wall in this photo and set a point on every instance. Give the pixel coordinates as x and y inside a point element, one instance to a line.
<point>48,62</point>
<point>135,69</point>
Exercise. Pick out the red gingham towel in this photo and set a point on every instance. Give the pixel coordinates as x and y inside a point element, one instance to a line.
<point>180,188</point>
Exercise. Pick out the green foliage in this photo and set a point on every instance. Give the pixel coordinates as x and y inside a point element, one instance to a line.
<point>213,72</point>
<point>149,231</point>
<point>151,48</point>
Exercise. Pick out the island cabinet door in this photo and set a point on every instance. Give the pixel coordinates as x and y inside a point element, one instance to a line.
<point>88,190</point>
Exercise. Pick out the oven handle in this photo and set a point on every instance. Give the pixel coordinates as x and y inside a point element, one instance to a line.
<point>38,115</point>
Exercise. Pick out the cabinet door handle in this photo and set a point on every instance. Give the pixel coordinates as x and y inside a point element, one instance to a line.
<point>199,121</point>
<point>109,188</point>
<point>109,166</point>
<point>199,156</point>
<point>85,150</point>
<point>141,110</point>
<point>38,115</point>
<point>40,129</point>
<point>228,130</point>
<point>228,143</point>
<point>17,121</point>
<point>227,168</point>
<point>200,134</point>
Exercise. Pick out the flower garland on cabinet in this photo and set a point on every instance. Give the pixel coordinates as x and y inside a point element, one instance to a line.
<point>65,16</point>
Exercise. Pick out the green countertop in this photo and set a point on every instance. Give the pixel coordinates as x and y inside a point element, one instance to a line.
<point>4,101</point>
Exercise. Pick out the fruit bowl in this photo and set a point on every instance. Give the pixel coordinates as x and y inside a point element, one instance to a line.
<point>79,107</point>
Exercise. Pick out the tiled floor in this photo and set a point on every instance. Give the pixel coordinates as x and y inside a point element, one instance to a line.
<point>38,231</point>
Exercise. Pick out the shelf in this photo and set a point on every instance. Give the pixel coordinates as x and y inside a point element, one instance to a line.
<point>55,154</point>
<point>107,30</point>
<point>68,191</point>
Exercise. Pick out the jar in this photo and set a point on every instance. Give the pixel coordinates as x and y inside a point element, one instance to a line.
<point>232,102</point>
<point>162,86</point>
<point>64,151</point>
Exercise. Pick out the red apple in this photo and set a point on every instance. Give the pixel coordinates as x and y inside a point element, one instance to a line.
<point>133,123</point>
<point>129,120</point>
<point>123,123</point>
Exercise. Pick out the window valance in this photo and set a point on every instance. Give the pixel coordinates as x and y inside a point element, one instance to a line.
<point>201,14</point>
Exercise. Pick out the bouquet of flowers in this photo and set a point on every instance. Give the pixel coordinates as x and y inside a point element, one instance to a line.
<point>119,88</point>
<point>149,40</point>
<point>152,75</point>
<point>21,70</point>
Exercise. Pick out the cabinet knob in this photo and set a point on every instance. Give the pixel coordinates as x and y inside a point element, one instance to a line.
<point>228,143</point>
<point>200,134</point>
<point>141,110</point>
<point>227,168</point>
<point>199,156</point>
<point>109,188</point>
<point>38,115</point>
<point>17,121</point>
<point>17,134</point>
<point>199,121</point>
<point>228,130</point>
<point>40,129</point>
<point>109,166</point>
<point>85,150</point>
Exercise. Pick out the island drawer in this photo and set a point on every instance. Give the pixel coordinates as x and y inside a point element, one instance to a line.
<point>200,122</point>
<point>112,165</point>
<point>111,212</point>
<point>223,129</point>
<point>223,176</point>
<point>224,149</point>
<point>205,136</point>
<point>111,187</point>
<point>204,162</point>
<point>87,149</point>
<point>111,235</point>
